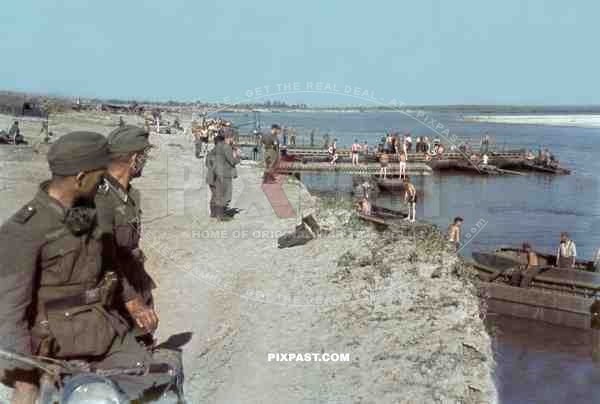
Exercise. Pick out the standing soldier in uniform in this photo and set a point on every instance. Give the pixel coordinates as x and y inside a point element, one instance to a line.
<point>44,132</point>
<point>156,116</point>
<point>119,217</point>
<point>271,151</point>
<point>210,174</point>
<point>56,298</point>
<point>226,158</point>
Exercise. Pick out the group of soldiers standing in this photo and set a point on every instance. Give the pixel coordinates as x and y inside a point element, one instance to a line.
<point>221,162</point>
<point>205,132</point>
<point>72,278</point>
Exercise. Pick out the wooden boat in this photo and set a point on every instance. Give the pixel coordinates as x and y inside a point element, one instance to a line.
<point>550,294</point>
<point>533,166</point>
<point>480,169</point>
<point>511,256</point>
<point>390,184</point>
<point>384,216</point>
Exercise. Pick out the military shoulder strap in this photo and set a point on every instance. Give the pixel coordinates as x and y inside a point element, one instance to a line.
<point>25,213</point>
<point>135,195</point>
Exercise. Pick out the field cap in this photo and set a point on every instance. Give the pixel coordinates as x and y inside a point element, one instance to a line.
<point>76,152</point>
<point>128,139</point>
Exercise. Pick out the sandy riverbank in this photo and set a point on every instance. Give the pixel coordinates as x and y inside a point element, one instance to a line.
<point>398,303</point>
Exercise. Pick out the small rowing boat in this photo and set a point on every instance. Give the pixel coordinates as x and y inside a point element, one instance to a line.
<point>390,184</point>
<point>384,216</point>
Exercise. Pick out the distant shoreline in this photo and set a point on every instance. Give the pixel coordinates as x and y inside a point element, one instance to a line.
<point>273,106</point>
<point>570,120</point>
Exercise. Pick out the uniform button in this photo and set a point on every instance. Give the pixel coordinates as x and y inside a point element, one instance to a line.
<point>29,208</point>
<point>67,314</point>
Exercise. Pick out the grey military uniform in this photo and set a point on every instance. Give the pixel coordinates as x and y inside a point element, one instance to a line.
<point>47,267</point>
<point>57,299</point>
<point>51,295</point>
<point>224,172</point>
<point>119,216</point>
<point>271,148</point>
<point>210,177</point>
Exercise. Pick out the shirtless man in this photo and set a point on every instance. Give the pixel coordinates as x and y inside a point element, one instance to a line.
<point>384,159</point>
<point>402,165</point>
<point>454,232</point>
<point>333,153</point>
<point>532,258</point>
<point>364,206</point>
<point>410,197</point>
<point>524,276</point>
<point>355,150</point>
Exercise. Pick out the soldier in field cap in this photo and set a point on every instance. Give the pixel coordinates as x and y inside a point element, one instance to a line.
<point>53,232</point>
<point>225,160</point>
<point>57,299</point>
<point>119,218</point>
<point>271,152</point>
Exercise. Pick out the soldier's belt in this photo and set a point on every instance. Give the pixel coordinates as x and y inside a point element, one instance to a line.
<point>91,296</point>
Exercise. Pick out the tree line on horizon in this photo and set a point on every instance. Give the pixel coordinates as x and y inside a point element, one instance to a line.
<point>11,101</point>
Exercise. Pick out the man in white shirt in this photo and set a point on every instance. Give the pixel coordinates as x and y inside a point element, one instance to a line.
<point>408,143</point>
<point>566,253</point>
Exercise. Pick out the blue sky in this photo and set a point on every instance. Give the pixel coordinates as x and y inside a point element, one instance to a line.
<point>417,52</point>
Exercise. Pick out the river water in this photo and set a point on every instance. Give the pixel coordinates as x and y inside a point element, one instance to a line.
<point>537,363</point>
<point>534,208</point>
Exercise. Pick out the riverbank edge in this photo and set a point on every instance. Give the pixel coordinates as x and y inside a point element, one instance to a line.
<point>434,260</point>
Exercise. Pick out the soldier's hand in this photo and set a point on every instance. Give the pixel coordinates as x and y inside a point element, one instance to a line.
<point>26,390</point>
<point>144,316</point>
